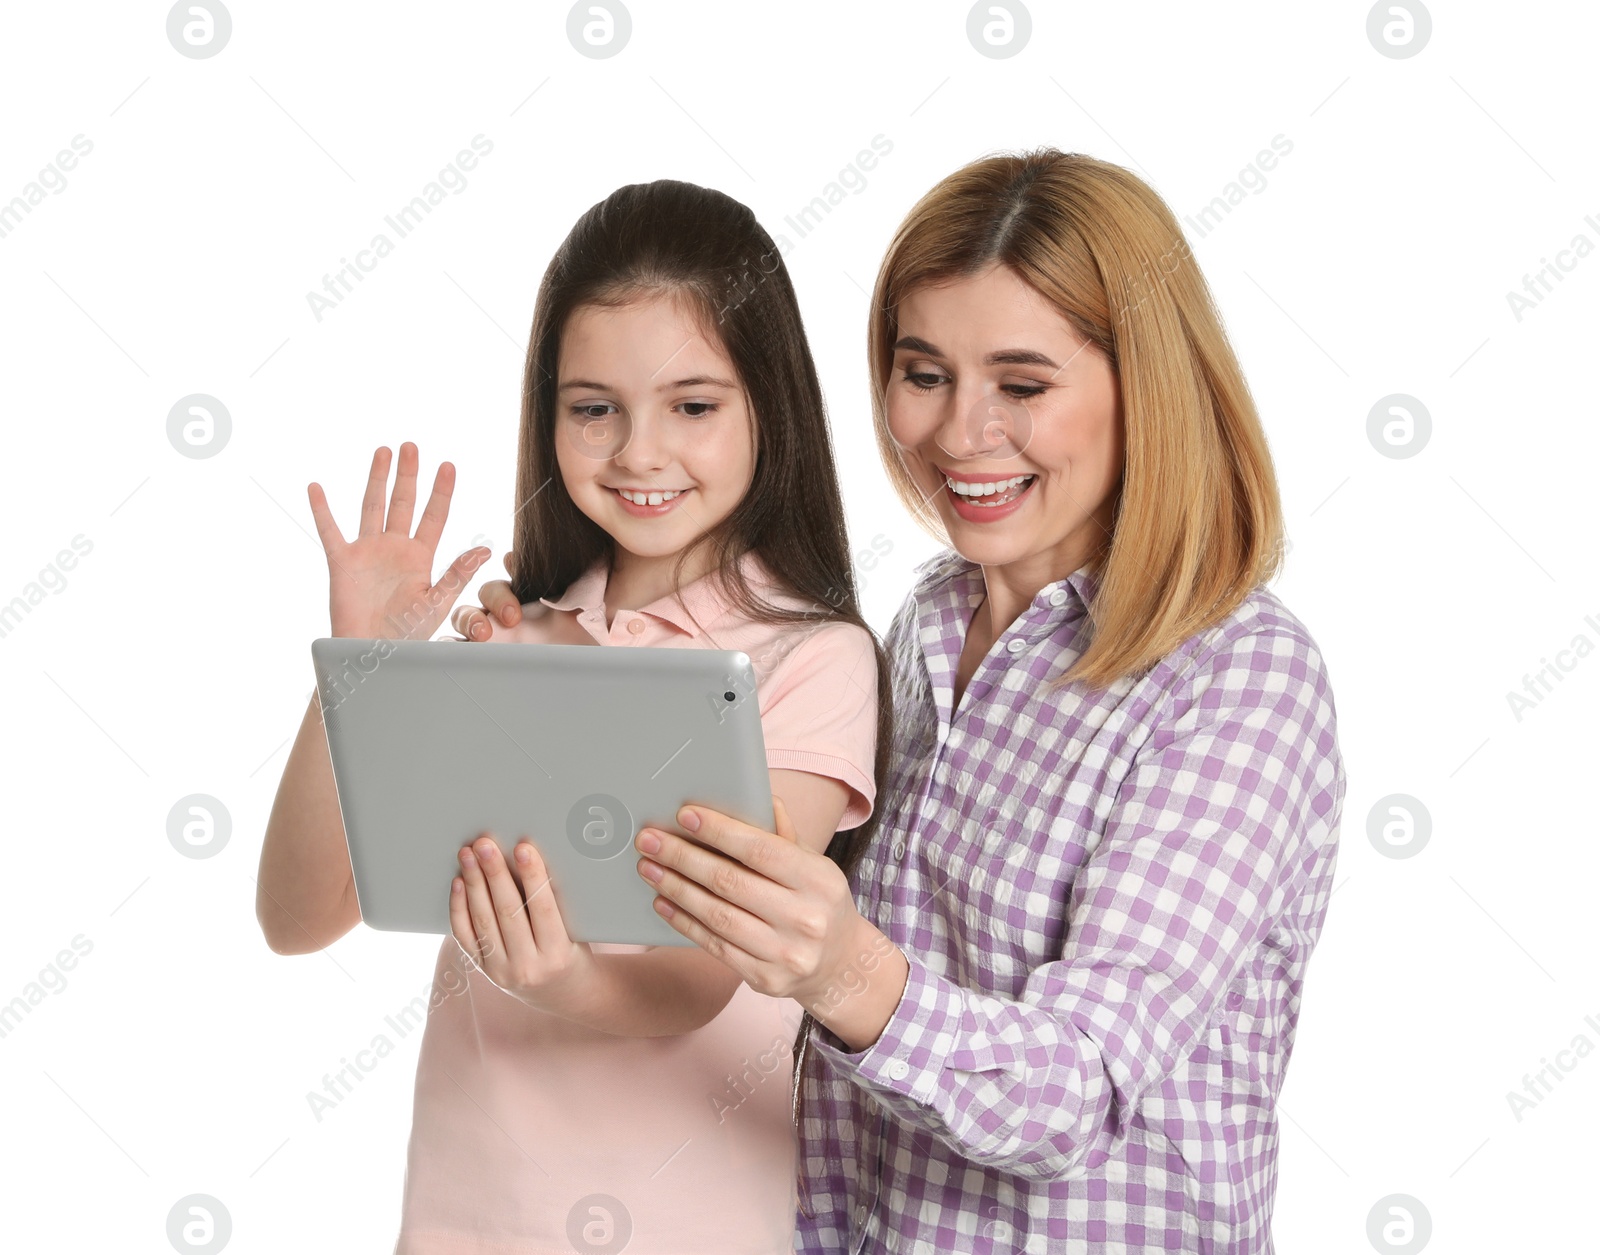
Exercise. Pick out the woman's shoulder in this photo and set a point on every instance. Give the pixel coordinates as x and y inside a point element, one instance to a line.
<point>1261,651</point>
<point>1261,626</point>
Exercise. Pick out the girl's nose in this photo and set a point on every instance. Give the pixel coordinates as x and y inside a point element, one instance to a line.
<point>645,451</point>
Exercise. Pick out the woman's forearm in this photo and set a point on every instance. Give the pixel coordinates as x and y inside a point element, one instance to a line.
<point>858,1001</point>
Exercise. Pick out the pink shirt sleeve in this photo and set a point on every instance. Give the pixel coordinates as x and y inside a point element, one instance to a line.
<point>819,710</point>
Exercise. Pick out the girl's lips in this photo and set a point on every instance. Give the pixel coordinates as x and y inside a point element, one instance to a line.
<point>648,511</point>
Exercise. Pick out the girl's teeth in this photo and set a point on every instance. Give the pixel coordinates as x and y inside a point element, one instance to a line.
<point>650,498</point>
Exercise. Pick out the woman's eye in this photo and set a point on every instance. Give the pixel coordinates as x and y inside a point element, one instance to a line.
<point>922,381</point>
<point>697,409</point>
<point>1021,390</point>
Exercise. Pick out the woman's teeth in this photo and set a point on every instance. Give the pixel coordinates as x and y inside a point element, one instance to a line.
<point>648,498</point>
<point>1002,490</point>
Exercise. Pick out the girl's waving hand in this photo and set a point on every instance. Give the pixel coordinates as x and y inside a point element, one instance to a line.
<point>380,583</point>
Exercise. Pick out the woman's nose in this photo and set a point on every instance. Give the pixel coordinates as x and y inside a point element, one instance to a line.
<point>983,422</point>
<point>960,431</point>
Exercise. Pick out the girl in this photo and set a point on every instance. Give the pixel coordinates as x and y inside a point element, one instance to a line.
<point>1055,1001</point>
<point>675,488</point>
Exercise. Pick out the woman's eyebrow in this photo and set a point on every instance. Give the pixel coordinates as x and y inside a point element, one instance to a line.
<point>1000,357</point>
<point>1018,357</point>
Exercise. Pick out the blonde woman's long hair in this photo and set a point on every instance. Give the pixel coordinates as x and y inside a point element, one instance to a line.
<point>1198,523</point>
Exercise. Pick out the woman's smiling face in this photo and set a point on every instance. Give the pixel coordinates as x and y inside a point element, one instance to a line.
<point>991,385</point>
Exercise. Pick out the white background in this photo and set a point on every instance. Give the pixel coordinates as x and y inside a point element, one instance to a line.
<point>219,192</point>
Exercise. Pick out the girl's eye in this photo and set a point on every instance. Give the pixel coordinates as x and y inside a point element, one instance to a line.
<point>698,409</point>
<point>594,410</point>
<point>922,380</point>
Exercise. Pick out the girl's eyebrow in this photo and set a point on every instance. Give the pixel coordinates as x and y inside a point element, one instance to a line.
<point>697,381</point>
<point>694,381</point>
<point>1000,357</point>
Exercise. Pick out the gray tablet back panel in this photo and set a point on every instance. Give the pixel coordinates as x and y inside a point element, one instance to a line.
<point>576,747</point>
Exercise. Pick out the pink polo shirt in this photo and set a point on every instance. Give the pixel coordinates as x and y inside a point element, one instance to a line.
<point>533,1135</point>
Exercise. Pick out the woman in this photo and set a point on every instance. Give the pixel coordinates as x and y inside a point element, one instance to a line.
<point>1055,1000</point>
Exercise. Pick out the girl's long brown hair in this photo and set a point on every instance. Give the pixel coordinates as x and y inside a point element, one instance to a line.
<point>704,247</point>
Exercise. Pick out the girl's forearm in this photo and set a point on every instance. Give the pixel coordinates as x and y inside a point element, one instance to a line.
<point>305,897</point>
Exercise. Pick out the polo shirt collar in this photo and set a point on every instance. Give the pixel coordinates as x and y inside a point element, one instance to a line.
<point>704,597</point>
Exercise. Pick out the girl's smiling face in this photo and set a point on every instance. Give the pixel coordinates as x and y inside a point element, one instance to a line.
<point>990,386</point>
<point>654,437</point>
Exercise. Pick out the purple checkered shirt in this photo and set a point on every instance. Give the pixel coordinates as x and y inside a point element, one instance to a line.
<point>1107,901</point>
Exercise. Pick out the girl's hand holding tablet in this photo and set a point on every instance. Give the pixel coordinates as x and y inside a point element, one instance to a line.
<point>516,936</point>
<point>380,585</point>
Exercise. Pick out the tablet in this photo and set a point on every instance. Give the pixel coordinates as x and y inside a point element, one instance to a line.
<point>576,747</point>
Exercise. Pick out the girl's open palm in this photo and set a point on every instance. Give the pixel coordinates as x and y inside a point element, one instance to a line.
<point>381,583</point>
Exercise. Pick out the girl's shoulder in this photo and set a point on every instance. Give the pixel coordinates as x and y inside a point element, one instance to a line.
<point>813,640</point>
<point>813,645</point>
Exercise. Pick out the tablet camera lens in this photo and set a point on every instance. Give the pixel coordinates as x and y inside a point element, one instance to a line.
<point>728,696</point>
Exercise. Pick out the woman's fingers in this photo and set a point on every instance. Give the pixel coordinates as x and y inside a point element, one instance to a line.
<point>470,623</point>
<point>500,602</point>
<point>783,825</point>
<point>766,853</point>
<point>716,946</point>
<point>372,502</point>
<point>733,924</point>
<point>437,510</point>
<point>327,530</point>
<point>405,492</point>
